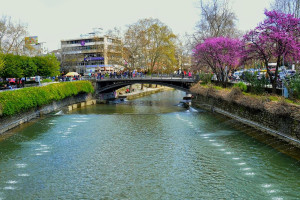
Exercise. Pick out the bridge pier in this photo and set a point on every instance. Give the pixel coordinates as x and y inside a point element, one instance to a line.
<point>187,100</point>
<point>104,97</point>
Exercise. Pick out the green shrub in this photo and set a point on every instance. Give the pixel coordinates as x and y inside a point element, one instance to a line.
<point>16,101</point>
<point>3,83</point>
<point>205,78</point>
<point>295,86</point>
<point>241,85</point>
<point>257,85</point>
<point>47,80</point>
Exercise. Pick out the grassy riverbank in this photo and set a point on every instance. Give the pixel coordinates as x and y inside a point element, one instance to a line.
<point>17,101</point>
<point>271,103</point>
<point>272,115</point>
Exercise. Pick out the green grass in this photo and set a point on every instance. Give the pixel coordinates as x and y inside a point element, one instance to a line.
<point>274,98</point>
<point>211,85</point>
<point>278,98</point>
<point>46,80</point>
<point>218,87</point>
<point>241,85</point>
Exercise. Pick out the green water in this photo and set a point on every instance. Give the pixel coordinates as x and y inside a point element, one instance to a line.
<point>148,148</point>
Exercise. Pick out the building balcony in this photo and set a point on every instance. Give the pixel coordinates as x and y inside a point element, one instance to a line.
<point>79,45</point>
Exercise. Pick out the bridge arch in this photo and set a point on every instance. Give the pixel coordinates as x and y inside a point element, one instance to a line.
<point>109,85</point>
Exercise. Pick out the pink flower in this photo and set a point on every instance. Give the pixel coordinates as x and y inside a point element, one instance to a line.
<point>221,54</point>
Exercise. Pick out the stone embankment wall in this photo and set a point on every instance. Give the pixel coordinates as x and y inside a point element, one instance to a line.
<point>145,92</point>
<point>69,103</point>
<point>280,126</point>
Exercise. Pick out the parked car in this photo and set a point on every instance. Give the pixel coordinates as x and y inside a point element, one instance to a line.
<point>291,73</point>
<point>237,75</point>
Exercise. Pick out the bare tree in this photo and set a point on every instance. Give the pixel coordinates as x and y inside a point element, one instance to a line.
<point>115,49</point>
<point>287,6</point>
<point>12,36</point>
<point>161,47</point>
<point>216,20</point>
<point>69,61</point>
<point>150,44</point>
<point>137,41</point>
<point>183,54</point>
<point>133,43</point>
<point>116,32</point>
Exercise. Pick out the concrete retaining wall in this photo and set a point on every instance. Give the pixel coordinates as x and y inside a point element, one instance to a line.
<point>81,100</point>
<point>282,127</point>
<point>148,91</point>
<point>81,104</point>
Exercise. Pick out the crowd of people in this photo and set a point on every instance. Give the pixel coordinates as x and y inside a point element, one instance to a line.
<point>120,74</point>
<point>18,83</point>
<point>12,84</point>
<point>133,74</point>
<point>69,78</point>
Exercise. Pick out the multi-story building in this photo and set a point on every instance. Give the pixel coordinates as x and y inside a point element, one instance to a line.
<point>34,48</point>
<point>91,54</point>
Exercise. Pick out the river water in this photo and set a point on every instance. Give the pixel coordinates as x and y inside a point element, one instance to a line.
<point>148,148</point>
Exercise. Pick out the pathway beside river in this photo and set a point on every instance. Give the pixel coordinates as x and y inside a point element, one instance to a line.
<point>137,92</point>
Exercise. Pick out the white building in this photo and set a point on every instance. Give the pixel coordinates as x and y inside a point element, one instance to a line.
<point>34,48</point>
<point>91,53</point>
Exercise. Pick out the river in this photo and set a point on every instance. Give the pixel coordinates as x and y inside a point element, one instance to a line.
<point>148,148</point>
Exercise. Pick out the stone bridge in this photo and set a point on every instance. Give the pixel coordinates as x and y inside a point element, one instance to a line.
<point>108,85</point>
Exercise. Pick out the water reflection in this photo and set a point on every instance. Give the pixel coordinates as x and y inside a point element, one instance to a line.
<point>144,149</point>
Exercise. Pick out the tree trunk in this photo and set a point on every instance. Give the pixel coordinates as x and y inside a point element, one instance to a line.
<point>274,81</point>
<point>224,84</point>
<point>274,86</point>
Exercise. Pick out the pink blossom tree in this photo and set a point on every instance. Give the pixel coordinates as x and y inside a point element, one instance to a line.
<point>276,39</point>
<point>221,54</point>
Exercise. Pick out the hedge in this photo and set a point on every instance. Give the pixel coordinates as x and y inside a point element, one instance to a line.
<point>241,85</point>
<point>16,101</point>
<point>47,80</point>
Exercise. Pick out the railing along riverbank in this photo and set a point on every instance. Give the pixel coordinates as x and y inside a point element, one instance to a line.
<point>152,76</point>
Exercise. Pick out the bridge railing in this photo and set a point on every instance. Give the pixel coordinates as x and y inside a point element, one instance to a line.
<point>142,76</point>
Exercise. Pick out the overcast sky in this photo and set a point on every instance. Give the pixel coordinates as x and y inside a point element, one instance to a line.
<point>54,20</point>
